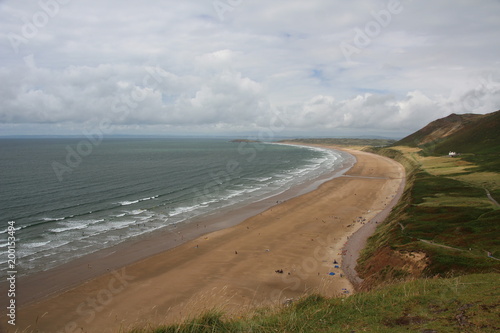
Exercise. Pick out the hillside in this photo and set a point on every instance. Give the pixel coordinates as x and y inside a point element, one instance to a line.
<point>444,224</point>
<point>481,136</point>
<point>440,129</point>
<point>475,137</point>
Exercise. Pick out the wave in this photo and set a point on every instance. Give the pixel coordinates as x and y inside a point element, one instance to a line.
<point>58,230</point>
<point>127,203</point>
<point>54,245</point>
<point>260,179</point>
<point>48,219</point>
<point>186,209</point>
<point>110,226</point>
<point>35,244</point>
<point>15,229</point>
<point>75,225</point>
<point>123,214</point>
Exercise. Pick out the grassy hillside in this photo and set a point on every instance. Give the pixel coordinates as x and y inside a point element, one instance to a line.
<point>461,304</point>
<point>444,223</point>
<point>481,136</point>
<point>438,129</point>
<point>475,137</point>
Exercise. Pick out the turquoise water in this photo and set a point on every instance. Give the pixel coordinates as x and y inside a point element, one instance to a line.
<point>71,197</point>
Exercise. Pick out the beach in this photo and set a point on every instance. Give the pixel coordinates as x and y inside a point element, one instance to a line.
<point>283,252</point>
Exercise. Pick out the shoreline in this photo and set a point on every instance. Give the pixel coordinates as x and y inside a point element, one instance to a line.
<point>357,241</point>
<point>93,265</point>
<point>189,278</point>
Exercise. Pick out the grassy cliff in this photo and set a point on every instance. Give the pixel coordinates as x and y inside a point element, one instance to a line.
<point>447,221</point>
<point>444,224</point>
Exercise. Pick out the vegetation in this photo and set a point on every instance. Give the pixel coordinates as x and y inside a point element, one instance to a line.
<point>439,130</point>
<point>448,221</point>
<point>461,304</point>
<point>445,215</point>
<point>474,136</point>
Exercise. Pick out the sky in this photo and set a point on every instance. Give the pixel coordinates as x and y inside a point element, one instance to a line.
<point>257,68</point>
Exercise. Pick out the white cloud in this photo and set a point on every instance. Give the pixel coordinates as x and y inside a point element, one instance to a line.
<point>176,66</point>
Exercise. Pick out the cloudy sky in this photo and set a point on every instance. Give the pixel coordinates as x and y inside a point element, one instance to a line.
<point>224,67</point>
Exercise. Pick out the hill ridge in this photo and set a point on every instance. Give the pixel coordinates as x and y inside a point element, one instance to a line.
<point>452,127</point>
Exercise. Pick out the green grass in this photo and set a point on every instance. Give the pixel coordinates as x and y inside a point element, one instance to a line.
<point>441,209</point>
<point>477,139</point>
<point>462,304</point>
<point>484,162</point>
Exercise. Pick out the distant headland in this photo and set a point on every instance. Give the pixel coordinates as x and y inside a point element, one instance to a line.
<point>244,140</point>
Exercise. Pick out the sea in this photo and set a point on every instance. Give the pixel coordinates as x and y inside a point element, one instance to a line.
<point>68,197</point>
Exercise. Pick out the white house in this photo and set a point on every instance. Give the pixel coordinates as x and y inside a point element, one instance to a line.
<point>452,154</point>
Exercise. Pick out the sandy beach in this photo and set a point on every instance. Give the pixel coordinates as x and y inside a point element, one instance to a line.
<point>282,253</point>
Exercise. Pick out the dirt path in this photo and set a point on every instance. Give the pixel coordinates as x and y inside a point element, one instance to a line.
<point>440,245</point>
<point>488,254</point>
<point>491,198</point>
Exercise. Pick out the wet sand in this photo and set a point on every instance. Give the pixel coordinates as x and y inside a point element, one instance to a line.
<point>233,269</point>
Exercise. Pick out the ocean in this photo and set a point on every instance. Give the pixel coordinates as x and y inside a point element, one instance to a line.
<point>72,197</point>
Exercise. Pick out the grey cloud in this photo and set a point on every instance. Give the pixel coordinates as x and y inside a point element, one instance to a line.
<point>179,65</point>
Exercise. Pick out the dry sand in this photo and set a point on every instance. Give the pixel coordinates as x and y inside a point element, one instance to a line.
<point>233,269</point>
